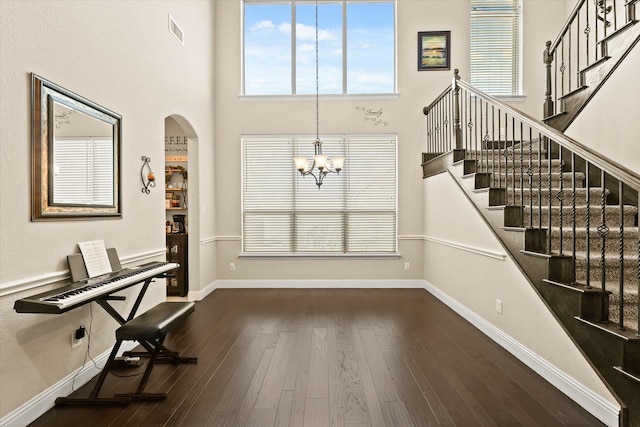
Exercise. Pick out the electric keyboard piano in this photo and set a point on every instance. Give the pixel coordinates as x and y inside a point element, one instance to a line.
<point>84,291</point>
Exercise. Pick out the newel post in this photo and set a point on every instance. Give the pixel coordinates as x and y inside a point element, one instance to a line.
<point>456,110</point>
<point>547,58</point>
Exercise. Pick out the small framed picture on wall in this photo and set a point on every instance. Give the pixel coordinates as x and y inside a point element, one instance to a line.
<point>434,50</point>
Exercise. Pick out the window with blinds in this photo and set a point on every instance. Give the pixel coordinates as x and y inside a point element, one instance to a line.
<point>496,46</point>
<point>83,171</point>
<point>352,213</point>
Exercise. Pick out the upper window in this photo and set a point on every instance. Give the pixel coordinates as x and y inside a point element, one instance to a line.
<point>496,46</point>
<point>356,47</point>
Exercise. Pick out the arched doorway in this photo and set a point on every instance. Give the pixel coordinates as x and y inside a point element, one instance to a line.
<point>181,204</point>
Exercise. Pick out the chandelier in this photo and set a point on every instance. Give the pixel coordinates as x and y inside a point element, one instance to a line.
<point>319,161</point>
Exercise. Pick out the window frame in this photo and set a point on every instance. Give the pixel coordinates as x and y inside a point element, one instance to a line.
<point>293,89</point>
<point>299,145</point>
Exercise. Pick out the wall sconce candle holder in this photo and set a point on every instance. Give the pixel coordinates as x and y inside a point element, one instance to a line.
<point>148,180</point>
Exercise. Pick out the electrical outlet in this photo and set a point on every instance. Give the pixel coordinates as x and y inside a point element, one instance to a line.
<point>75,342</point>
<point>77,336</point>
<point>407,266</point>
<point>499,305</point>
<point>232,266</point>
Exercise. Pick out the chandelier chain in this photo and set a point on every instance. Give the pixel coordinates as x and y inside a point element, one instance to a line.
<point>317,78</point>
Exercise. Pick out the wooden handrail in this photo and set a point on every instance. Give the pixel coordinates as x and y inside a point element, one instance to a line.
<point>566,26</point>
<point>444,93</point>
<point>611,167</point>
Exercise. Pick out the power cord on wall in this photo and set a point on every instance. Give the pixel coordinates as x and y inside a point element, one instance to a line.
<point>87,354</point>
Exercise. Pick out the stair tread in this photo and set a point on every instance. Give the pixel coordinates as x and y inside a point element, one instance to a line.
<point>628,374</point>
<point>578,287</point>
<point>612,328</point>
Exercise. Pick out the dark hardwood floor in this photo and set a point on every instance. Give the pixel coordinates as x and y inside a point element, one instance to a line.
<point>327,357</point>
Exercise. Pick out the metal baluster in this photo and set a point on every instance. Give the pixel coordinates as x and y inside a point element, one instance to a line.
<point>560,197</point>
<point>573,212</point>
<point>569,56</point>
<point>433,114</point>
<point>530,173</point>
<point>441,136</point>
<point>603,231</point>
<point>513,153</point>
<point>475,133</point>
<point>604,17</point>
<point>429,134</point>
<point>595,42</point>
<point>621,247</point>
<point>447,120</point>
<point>587,30</point>
<point>577,48</point>
<point>470,121</point>
<point>549,196</point>
<point>521,169</point>
<point>448,143</point>
<point>438,129</point>
<point>588,224</point>
<point>433,136</point>
<point>482,165</point>
<point>493,153</point>
<point>540,181</point>
<point>499,152</point>
<point>562,67</point>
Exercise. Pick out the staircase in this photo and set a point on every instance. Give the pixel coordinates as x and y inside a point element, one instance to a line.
<point>597,36</point>
<point>570,234</point>
<point>567,215</point>
<point>564,261</point>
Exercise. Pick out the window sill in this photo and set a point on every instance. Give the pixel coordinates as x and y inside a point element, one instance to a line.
<point>512,98</point>
<point>309,97</point>
<point>318,256</point>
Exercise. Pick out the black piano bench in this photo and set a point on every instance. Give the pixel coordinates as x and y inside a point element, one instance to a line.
<point>149,329</point>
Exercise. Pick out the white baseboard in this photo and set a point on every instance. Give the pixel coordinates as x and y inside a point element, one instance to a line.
<point>593,403</point>
<point>44,401</point>
<point>320,283</point>
<point>304,284</point>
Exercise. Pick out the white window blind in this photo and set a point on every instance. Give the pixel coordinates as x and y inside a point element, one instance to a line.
<point>83,172</point>
<point>496,46</point>
<point>354,212</point>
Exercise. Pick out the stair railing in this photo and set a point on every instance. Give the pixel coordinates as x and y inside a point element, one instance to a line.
<point>579,46</point>
<point>561,191</point>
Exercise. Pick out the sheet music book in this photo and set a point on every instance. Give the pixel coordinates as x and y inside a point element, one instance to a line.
<point>95,257</point>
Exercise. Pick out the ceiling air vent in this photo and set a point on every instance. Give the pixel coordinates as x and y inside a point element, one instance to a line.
<point>175,29</point>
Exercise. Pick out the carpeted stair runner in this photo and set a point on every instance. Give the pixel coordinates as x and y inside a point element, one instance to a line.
<point>525,178</point>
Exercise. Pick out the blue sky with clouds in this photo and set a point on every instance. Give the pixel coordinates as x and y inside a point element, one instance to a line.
<point>370,48</point>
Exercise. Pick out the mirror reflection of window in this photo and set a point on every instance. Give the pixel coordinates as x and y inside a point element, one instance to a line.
<point>83,171</point>
<point>83,153</point>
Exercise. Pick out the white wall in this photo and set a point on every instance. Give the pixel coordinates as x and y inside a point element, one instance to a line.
<point>119,55</point>
<point>462,261</point>
<point>609,123</point>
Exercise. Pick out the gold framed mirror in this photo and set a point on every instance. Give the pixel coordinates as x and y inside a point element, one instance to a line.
<point>75,155</point>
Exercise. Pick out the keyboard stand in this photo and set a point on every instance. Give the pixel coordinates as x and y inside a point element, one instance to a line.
<point>158,353</point>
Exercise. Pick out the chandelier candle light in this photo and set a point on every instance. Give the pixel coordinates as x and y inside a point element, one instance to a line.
<point>324,164</point>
